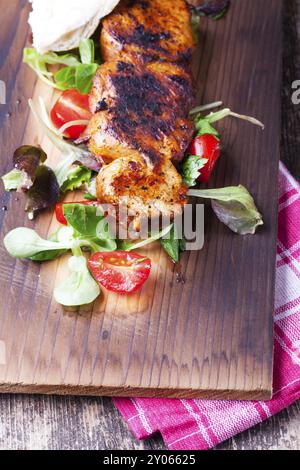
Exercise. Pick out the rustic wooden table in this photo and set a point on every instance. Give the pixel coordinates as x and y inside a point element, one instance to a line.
<point>34,422</point>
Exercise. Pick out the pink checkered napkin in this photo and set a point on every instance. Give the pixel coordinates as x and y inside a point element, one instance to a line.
<point>202,424</point>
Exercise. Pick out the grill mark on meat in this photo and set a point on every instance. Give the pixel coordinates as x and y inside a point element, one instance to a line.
<point>143,38</point>
<point>136,93</point>
<point>179,80</point>
<point>186,55</point>
<point>124,66</point>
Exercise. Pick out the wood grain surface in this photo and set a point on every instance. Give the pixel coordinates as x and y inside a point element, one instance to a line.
<point>29,422</point>
<point>211,337</point>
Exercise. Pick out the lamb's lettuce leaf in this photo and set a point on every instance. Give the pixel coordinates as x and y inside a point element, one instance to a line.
<point>79,288</point>
<point>25,243</point>
<point>234,206</point>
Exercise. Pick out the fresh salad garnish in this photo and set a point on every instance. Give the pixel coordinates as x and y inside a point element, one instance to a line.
<point>80,288</point>
<point>77,177</point>
<point>73,154</point>
<point>30,174</point>
<point>169,239</point>
<point>234,206</point>
<point>44,192</point>
<point>121,271</point>
<point>86,230</point>
<point>42,185</point>
<point>26,161</point>
<point>71,114</point>
<point>173,245</point>
<point>25,243</point>
<point>193,164</point>
<point>205,149</point>
<point>59,210</point>
<point>91,194</point>
<point>33,178</point>
<point>209,146</point>
<point>78,70</point>
<point>91,225</point>
<point>39,182</point>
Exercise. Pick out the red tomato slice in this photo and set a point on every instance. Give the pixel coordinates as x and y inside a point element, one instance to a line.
<point>206,146</point>
<point>71,106</point>
<point>59,210</point>
<point>120,271</point>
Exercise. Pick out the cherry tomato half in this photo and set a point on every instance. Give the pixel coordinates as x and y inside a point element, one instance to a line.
<point>71,106</point>
<point>120,271</point>
<point>206,146</point>
<point>59,210</point>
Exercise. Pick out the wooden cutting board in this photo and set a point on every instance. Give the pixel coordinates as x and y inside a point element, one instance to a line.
<point>211,337</point>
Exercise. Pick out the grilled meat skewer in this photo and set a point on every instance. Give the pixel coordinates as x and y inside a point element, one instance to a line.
<point>140,100</point>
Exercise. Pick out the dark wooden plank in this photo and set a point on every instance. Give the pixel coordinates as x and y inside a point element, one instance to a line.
<point>214,341</point>
<point>69,423</point>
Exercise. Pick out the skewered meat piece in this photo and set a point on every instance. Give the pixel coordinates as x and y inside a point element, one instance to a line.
<point>153,27</point>
<point>147,192</point>
<point>141,109</point>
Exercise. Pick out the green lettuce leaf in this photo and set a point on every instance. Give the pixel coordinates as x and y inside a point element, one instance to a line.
<point>84,219</point>
<point>79,288</point>
<point>191,169</point>
<point>234,206</point>
<point>71,153</point>
<point>75,75</point>
<point>84,77</point>
<point>89,197</point>
<point>25,243</point>
<point>204,124</point>
<point>77,176</point>
<point>13,180</point>
<point>63,234</point>
<point>38,62</point>
<point>66,78</point>
<point>90,226</point>
<point>173,245</point>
